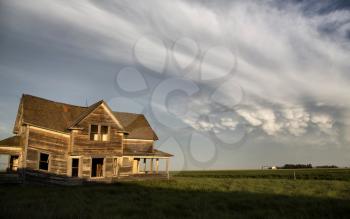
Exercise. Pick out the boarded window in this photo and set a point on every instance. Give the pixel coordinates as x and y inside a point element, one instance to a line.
<point>94,133</point>
<point>104,133</point>
<point>75,167</point>
<point>44,161</point>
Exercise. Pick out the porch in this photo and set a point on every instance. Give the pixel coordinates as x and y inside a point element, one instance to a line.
<point>143,164</point>
<point>10,155</point>
<point>150,166</point>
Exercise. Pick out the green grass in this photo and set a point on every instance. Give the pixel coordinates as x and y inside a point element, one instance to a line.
<point>322,174</point>
<point>189,194</point>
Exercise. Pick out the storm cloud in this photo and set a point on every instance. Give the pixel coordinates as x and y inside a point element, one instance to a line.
<point>276,71</point>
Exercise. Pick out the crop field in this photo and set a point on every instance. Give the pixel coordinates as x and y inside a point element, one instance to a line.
<point>316,193</point>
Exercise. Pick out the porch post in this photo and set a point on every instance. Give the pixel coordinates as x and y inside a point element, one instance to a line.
<point>144,161</point>
<point>167,167</point>
<point>151,165</point>
<point>138,166</point>
<point>157,165</point>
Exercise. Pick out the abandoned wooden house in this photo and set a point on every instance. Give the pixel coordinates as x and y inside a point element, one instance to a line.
<point>63,142</point>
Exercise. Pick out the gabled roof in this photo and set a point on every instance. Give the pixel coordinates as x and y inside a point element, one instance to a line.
<point>136,125</point>
<point>49,114</point>
<point>85,113</point>
<point>60,117</point>
<point>11,141</point>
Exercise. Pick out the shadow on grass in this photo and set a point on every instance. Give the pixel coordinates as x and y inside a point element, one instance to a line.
<point>135,200</point>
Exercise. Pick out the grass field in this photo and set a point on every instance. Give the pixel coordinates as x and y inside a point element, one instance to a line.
<point>320,193</point>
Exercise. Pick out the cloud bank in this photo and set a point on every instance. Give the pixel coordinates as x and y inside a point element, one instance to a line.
<point>276,69</point>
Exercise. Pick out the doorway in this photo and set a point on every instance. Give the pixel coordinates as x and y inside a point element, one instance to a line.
<point>97,167</point>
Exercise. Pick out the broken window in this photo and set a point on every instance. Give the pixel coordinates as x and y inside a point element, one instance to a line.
<point>94,132</point>
<point>99,133</point>
<point>104,133</point>
<point>75,167</point>
<point>44,161</point>
<point>97,167</point>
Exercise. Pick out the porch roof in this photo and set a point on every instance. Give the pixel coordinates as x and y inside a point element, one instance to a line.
<point>155,153</point>
<point>13,141</point>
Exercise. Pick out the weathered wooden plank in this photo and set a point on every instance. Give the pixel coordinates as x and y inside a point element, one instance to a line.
<point>32,155</point>
<point>109,166</point>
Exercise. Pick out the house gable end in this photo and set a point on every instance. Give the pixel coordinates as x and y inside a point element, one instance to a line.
<point>99,115</point>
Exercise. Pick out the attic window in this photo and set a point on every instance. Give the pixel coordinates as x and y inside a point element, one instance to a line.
<point>104,133</point>
<point>94,132</point>
<point>99,133</point>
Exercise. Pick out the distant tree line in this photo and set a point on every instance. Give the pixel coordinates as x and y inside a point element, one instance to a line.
<point>295,166</point>
<point>327,166</point>
<point>304,166</point>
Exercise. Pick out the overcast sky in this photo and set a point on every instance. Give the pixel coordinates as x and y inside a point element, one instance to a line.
<point>225,84</point>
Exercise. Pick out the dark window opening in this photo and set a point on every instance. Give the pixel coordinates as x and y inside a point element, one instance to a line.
<point>97,167</point>
<point>14,162</point>
<point>44,161</point>
<point>94,133</point>
<point>75,167</point>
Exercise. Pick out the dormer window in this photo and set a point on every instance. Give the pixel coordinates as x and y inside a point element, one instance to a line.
<point>99,133</point>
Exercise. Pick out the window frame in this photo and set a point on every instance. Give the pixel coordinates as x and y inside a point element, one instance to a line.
<point>103,168</point>
<point>108,132</point>
<point>70,166</point>
<point>99,133</point>
<point>48,161</point>
<point>90,132</point>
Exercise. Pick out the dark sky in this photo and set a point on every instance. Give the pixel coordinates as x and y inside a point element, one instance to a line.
<point>226,84</point>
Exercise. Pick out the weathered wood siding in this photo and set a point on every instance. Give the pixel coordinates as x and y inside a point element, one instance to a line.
<point>32,159</point>
<point>82,145</point>
<point>138,145</point>
<point>126,165</point>
<point>86,167</point>
<point>56,145</point>
<point>109,167</point>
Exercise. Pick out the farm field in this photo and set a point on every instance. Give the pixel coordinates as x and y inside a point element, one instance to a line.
<point>317,193</point>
